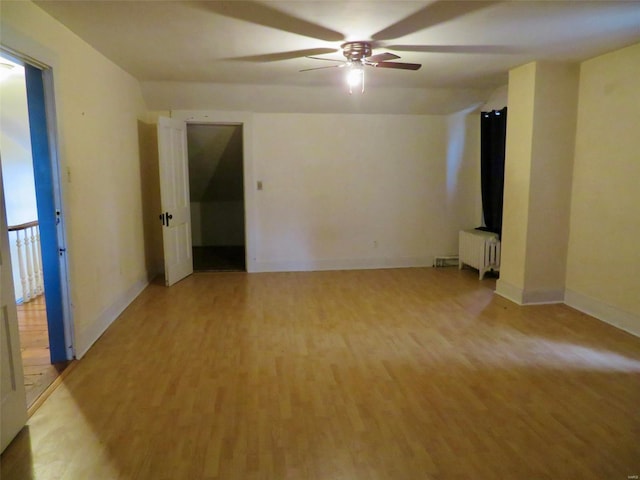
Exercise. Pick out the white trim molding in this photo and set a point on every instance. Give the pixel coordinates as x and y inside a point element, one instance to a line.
<point>621,319</point>
<point>342,264</point>
<point>529,297</point>
<point>250,200</point>
<point>87,337</point>
<point>542,297</point>
<point>509,291</point>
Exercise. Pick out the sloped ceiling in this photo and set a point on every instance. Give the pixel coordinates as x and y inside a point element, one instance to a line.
<point>215,163</point>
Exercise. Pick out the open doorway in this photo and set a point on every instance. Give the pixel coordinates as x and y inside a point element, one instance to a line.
<point>216,186</point>
<point>33,222</point>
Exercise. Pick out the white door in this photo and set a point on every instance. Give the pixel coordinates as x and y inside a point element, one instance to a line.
<point>14,402</point>
<point>174,197</point>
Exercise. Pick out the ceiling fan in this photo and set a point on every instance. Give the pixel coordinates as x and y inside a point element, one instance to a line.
<point>358,55</point>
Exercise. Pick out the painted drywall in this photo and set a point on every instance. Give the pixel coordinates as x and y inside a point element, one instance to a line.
<point>550,181</point>
<point>332,98</point>
<point>151,204</point>
<point>17,163</point>
<point>97,106</point>
<point>361,191</point>
<point>463,164</point>
<point>517,168</point>
<point>538,173</point>
<point>604,250</point>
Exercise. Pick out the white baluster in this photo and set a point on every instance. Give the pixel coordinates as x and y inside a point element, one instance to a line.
<point>23,276</point>
<point>35,247</point>
<point>27,251</point>
<point>38,258</point>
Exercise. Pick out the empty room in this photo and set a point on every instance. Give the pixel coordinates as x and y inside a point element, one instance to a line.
<point>327,239</point>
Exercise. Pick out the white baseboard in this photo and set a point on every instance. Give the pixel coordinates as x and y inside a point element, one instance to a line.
<point>509,291</point>
<point>542,297</point>
<point>602,311</point>
<point>85,338</point>
<point>528,297</point>
<point>341,264</point>
<point>591,306</point>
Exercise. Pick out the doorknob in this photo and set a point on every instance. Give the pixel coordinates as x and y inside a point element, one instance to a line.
<point>165,217</point>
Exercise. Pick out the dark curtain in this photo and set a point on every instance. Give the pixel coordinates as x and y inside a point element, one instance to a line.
<point>493,134</point>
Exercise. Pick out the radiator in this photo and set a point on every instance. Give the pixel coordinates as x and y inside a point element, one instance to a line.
<point>480,250</point>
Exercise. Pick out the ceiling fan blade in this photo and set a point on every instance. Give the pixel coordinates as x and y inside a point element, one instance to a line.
<point>497,49</point>
<point>381,57</point>
<point>437,12</point>
<point>399,65</point>
<point>274,57</point>
<point>265,15</point>
<point>322,68</point>
<point>327,59</point>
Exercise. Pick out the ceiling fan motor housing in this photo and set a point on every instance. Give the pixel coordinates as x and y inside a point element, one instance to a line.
<point>356,51</point>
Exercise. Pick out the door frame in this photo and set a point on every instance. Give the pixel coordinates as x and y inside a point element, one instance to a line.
<point>244,207</point>
<point>65,344</point>
<point>244,119</point>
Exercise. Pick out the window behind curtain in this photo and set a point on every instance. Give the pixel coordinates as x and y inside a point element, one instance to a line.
<point>493,134</point>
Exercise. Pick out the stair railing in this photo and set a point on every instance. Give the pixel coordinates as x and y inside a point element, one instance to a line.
<point>27,240</point>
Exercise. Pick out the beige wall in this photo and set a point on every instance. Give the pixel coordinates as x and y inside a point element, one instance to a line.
<point>539,162</point>
<point>362,191</point>
<point>515,216</point>
<point>98,106</point>
<point>603,269</point>
<point>193,96</point>
<point>551,170</point>
<point>575,135</point>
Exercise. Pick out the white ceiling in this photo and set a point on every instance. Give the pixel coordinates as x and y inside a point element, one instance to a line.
<point>469,44</point>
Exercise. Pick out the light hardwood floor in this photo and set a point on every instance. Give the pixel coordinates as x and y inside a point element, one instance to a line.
<point>381,374</point>
<point>39,372</point>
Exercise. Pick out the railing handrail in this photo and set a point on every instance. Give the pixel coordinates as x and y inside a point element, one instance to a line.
<point>22,226</point>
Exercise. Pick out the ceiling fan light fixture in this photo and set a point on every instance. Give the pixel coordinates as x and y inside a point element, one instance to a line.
<point>355,77</point>
<point>359,55</point>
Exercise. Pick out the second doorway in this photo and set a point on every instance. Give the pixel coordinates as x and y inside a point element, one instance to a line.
<point>216,186</point>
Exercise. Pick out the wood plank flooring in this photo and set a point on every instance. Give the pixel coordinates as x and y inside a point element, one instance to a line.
<point>380,374</point>
<point>39,373</point>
